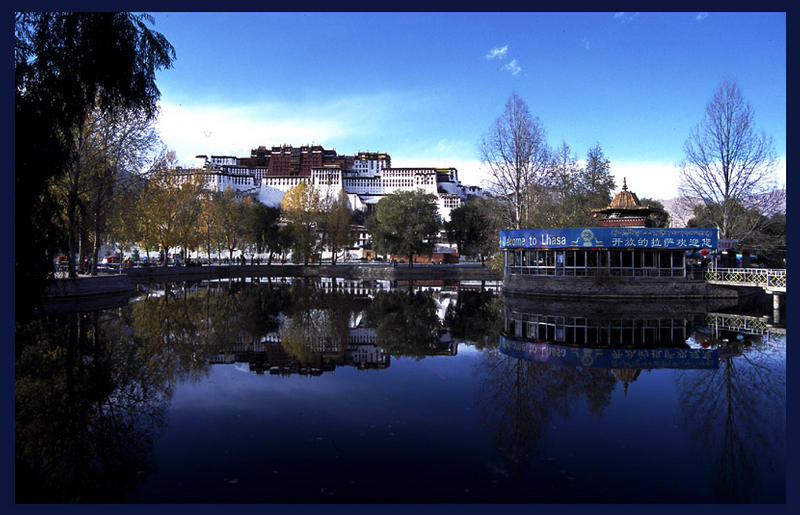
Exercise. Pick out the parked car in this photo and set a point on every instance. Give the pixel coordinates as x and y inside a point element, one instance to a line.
<point>116,258</point>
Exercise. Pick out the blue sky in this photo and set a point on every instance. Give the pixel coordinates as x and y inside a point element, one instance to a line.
<point>425,87</point>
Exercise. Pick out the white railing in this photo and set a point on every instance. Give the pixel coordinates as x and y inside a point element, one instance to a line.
<point>742,324</point>
<point>767,278</point>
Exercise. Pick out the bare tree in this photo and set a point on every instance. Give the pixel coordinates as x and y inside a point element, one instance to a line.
<point>727,163</point>
<point>515,151</point>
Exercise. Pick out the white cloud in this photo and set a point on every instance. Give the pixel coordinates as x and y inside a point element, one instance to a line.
<point>444,146</point>
<point>497,53</point>
<point>512,66</point>
<point>624,17</point>
<point>234,131</point>
<point>217,129</point>
<point>660,181</point>
<point>701,16</point>
<point>648,179</point>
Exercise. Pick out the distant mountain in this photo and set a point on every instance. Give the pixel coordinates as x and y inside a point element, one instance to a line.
<point>679,211</point>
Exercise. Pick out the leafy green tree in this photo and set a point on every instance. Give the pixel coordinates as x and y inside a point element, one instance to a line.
<point>65,63</point>
<point>659,216</point>
<point>263,229</point>
<point>596,181</point>
<point>474,228</point>
<point>406,223</point>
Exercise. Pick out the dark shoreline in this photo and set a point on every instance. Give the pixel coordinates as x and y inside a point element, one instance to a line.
<point>125,282</point>
<point>65,293</point>
<point>347,271</point>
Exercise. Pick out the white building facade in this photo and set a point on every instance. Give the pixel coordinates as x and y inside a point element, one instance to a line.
<point>365,178</point>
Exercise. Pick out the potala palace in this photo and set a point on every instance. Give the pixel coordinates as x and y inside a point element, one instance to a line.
<point>365,177</point>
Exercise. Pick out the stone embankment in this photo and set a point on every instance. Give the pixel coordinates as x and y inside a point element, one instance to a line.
<point>615,288</point>
<point>553,287</point>
<point>87,293</point>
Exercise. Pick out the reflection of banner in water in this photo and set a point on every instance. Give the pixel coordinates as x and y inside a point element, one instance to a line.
<point>610,358</point>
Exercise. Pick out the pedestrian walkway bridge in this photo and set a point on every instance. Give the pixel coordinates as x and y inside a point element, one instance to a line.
<point>771,280</point>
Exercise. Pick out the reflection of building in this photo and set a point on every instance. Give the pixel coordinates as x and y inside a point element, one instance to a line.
<point>626,376</point>
<point>445,346</point>
<point>580,334</point>
<point>621,257</point>
<point>575,329</point>
<point>270,356</point>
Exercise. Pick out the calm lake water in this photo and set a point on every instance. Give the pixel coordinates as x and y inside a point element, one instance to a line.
<point>360,392</point>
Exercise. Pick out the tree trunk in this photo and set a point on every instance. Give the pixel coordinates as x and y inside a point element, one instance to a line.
<point>95,251</point>
<point>71,230</point>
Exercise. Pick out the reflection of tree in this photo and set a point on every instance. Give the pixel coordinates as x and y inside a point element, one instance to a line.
<point>317,324</point>
<point>91,389</point>
<point>477,316</point>
<point>187,328</point>
<point>170,330</point>
<point>519,398</point>
<point>735,415</point>
<point>406,323</point>
<point>87,411</point>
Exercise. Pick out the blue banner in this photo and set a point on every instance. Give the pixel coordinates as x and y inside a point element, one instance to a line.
<point>565,355</point>
<point>610,237</point>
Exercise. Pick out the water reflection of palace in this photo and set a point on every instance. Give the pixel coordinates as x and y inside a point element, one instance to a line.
<point>270,355</point>
<point>358,288</point>
<point>324,353</point>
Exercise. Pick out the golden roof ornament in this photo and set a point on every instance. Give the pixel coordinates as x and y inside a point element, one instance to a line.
<point>625,210</point>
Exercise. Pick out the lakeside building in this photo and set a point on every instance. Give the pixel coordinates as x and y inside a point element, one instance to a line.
<point>365,177</point>
<point>623,257</point>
